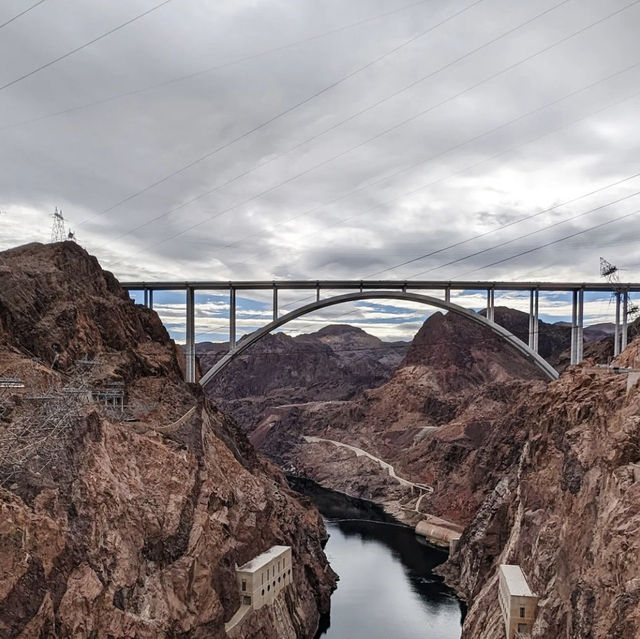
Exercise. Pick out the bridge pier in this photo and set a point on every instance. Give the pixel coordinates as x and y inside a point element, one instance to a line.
<point>275,303</point>
<point>577,324</point>
<point>580,335</point>
<point>534,326</point>
<point>616,333</point>
<point>146,297</point>
<point>232,319</point>
<point>625,319</point>
<point>151,298</point>
<point>190,351</point>
<point>490,304</point>
<point>447,294</point>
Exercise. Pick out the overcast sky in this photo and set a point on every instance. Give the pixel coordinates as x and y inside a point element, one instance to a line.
<point>327,139</point>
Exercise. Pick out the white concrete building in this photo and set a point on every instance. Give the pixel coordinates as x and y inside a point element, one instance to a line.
<point>517,602</point>
<point>261,579</point>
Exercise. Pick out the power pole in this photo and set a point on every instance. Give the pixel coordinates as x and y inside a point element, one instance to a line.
<point>58,233</point>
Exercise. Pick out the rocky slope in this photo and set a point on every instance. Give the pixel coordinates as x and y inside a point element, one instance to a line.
<point>565,506</point>
<point>127,529</point>
<point>334,363</point>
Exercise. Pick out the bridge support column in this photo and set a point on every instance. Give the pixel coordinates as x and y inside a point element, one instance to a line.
<point>616,332</point>
<point>317,292</point>
<point>146,297</point>
<point>490,304</point>
<point>232,319</point>
<point>580,332</point>
<point>534,326</point>
<point>447,295</point>
<point>275,303</point>
<point>574,328</point>
<point>577,325</point>
<point>190,352</point>
<point>151,298</point>
<point>625,319</point>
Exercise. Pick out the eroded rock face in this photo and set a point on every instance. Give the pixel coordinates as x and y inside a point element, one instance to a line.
<point>567,510</point>
<point>132,529</point>
<point>335,363</point>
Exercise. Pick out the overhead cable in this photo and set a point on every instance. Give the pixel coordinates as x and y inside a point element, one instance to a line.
<point>83,46</point>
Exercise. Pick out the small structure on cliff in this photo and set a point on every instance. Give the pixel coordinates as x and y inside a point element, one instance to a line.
<point>261,580</point>
<point>517,602</point>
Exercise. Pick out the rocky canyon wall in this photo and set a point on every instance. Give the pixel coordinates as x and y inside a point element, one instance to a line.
<point>132,528</point>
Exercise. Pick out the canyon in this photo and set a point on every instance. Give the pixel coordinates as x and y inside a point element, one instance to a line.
<point>128,497</point>
<point>544,475</point>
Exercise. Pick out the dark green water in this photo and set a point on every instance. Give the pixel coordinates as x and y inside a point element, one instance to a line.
<point>387,589</point>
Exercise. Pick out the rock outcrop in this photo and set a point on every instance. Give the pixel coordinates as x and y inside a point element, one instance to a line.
<point>337,362</point>
<point>565,506</point>
<point>112,528</point>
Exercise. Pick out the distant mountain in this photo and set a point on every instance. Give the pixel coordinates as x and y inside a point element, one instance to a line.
<point>334,363</point>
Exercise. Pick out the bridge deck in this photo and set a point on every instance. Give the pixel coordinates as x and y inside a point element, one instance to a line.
<point>380,284</point>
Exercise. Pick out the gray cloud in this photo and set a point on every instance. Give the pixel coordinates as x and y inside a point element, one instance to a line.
<point>461,169</point>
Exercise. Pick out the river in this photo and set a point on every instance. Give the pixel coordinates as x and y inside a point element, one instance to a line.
<point>387,588</point>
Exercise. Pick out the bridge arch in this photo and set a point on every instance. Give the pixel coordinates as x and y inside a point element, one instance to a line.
<point>256,336</point>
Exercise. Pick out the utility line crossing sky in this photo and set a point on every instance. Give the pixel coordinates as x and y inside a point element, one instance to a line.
<point>298,139</point>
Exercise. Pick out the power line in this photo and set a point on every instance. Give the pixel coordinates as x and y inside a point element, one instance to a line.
<point>399,172</point>
<point>84,46</point>
<point>353,116</point>
<point>562,239</point>
<point>283,113</point>
<point>530,234</point>
<point>500,228</point>
<point>33,6</point>
<point>216,67</point>
<point>404,169</point>
<point>504,226</point>
<point>445,178</point>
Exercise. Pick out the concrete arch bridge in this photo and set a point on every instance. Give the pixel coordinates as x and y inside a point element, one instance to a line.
<point>395,290</point>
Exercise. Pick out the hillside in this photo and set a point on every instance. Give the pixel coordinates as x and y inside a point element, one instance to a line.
<point>127,522</point>
<point>564,467</point>
<point>335,363</point>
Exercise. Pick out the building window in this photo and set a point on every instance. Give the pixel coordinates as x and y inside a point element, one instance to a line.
<point>278,579</point>
<point>246,600</point>
<point>244,586</point>
<point>268,587</point>
<point>263,592</point>
<point>522,612</point>
<point>523,627</point>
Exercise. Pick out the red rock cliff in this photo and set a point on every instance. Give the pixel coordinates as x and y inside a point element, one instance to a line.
<point>128,529</point>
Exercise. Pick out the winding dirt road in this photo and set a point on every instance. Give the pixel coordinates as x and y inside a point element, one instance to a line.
<point>363,453</point>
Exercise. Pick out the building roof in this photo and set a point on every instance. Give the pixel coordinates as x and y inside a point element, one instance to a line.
<point>262,560</point>
<point>516,581</point>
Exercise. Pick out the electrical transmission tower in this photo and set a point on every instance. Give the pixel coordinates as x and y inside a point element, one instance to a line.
<point>612,274</point>
<point>609,271</point>
<point>58,233</point>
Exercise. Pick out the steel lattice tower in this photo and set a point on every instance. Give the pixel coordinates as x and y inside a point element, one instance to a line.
<point>58,233</point>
